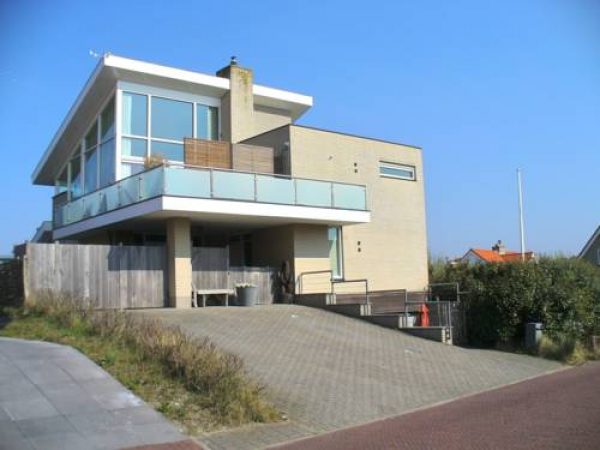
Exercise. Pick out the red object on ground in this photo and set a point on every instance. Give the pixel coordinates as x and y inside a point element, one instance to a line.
<point>424,315</point>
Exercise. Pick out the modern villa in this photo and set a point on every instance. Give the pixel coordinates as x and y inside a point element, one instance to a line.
<point>158,156</point>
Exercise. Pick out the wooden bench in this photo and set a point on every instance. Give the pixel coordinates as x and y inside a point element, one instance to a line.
<point>206,292</point>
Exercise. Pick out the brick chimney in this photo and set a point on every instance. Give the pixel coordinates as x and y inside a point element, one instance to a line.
<point>237,105</point>
<point>499,248</point>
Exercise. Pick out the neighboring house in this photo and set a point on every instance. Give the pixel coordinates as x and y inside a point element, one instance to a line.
<point>238,172</point>
<point>43,234</point>
<point>591,250</point>
<point>498,254</point>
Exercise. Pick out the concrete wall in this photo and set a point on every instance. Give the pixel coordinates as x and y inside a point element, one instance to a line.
<point>391,251</point>
<point>272,246</point>
<point>266,119</point>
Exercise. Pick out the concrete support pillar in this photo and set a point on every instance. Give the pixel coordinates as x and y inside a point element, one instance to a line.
<point>179,255</point>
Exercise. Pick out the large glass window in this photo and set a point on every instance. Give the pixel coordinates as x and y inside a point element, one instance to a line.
<point>91,139</point>
<point>168,150</point>
<point>207,122</point>
<point>107,121</point>
<point>75,177</point>
<point>62,182</point>
<point>91,171</point>
<point>133,147</point>
<point>135,113</point>
<point>128,169</point>
<point>171,119</point>
<point>107,163</point>
<point>334,235</point>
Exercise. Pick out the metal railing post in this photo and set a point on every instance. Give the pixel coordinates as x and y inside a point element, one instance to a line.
<point>255,188</point>
<point>212,189</point>
<point>332,199</point>
<point>140,187</point>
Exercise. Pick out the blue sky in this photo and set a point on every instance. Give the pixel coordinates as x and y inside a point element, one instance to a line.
<point>482,87</point>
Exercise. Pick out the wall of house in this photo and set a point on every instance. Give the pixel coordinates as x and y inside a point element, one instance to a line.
<point>593,253</point>
<point>311,253</point>
<point>391,250</point>
<point>266,119</point>
<point>277,139</point>
<point>272,246</point>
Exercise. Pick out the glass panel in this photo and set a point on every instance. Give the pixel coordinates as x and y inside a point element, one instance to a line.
<point>107,122</point>
<point>91,171</point>
<point>403,172</point>
<point>187,182</point>
<point>239,186</point>
<point>128,169</point>
<point>129,191</point>
<point>207,122</point>
<point>152,183</point>
<point>171,119</point>
<point>313,193</point>
<point>274,190</point>
<point>133,147</point>
<point>335,251</point>
<point>91,205</point>
<point>76,188</point>
<point>349,197</point>
<point>135,107</point>
<point>110,198</point>
<point>91,139</point>
<point>75,210</point>
<point>107,163</point>
<point>166,150</point>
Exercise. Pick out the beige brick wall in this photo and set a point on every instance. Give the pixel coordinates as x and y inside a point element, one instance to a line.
<point>266,119</point>
<point>393,246</point>
<point>179,254</point>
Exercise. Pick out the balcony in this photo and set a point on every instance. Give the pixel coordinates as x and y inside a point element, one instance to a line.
<point>220,185</point>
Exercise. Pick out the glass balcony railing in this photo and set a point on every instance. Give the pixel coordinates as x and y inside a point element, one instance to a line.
<point>212,184</point>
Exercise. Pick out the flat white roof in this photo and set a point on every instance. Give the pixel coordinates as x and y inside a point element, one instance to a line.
<point>112,68</point>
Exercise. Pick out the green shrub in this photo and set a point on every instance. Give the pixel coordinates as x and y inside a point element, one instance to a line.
<point>562,293</point>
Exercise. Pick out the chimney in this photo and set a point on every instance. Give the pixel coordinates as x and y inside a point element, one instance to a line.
<point>237,105</point>
<point>499,248</point>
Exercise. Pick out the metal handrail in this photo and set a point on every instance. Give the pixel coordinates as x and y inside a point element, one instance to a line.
<point>314,272</point>
<point>358,280</point>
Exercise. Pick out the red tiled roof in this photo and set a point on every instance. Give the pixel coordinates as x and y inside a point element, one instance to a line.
<point>493,256</point>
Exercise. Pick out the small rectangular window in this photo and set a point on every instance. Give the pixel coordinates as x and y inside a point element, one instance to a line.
<point>400,171</point>
<point>134,111</point>
<point>207,122</point>
<point>334,236</point>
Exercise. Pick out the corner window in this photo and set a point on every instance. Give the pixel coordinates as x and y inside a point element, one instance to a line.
<point>334,236</point>
<point>399,171</point>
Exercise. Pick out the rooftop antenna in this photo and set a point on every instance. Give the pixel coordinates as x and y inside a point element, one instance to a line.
<point>521,221</point>
<point>234,61</point>
<point>94,54</point>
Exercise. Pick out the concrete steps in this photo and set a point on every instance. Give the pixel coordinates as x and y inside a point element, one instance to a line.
<point>384,309</point>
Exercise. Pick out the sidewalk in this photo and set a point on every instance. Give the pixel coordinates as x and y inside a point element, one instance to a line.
<point>53,397</point>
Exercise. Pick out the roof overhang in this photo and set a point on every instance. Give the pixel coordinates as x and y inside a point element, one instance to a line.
<point>589,243</point>
<point>102,82</point>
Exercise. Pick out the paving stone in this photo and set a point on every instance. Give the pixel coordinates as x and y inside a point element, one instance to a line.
<point>20,388</point>
<point>80,368</point>
<point>327,371</point>
<point>62,441</point>
<point>138,416</point>
<point>117,399</point>
<point>94,421</point>
<point>29,408</point>
<point>70,398</point>
<point>42,372</point>
<point>44,426</point>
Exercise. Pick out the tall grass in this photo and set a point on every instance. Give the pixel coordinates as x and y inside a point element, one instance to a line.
<point>220,377</point>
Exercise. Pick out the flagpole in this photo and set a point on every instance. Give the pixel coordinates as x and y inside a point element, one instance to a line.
<point>521,221</point>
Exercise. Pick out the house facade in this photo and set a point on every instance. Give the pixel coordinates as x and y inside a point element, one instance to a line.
<point>591,250</point>
<point>154,155</point>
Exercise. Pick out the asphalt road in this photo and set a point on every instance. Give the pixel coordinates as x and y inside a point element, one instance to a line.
<point>557,411</point>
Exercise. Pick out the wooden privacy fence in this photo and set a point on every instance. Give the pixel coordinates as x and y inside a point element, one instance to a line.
<point>109,276</point>
<point>211,270</point>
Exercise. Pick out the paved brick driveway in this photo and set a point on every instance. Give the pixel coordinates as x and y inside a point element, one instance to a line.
<point>557,411</point>
<point>328,371</point>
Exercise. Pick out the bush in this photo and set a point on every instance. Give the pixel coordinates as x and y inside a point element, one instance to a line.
<point>197,363</point>
<point>562,293</point>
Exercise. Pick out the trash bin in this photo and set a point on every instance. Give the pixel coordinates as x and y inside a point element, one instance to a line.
<point>533,334</point>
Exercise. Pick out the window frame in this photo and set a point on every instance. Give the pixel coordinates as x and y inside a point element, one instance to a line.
<point>150,92</point>
<point>339,250</point>
<point>400,166</point>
